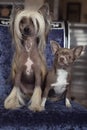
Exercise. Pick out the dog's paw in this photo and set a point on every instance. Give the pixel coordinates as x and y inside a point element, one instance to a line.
<point>36,108</point>
<point>68,104</point>
<point>42,108</point>
<point>11,103</point>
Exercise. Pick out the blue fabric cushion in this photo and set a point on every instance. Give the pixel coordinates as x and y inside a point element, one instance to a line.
<point>55,117</point>
<point>5,61</point>
<point>56,35</point>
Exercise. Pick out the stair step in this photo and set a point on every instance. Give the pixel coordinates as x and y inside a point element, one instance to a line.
<point>78,36</point>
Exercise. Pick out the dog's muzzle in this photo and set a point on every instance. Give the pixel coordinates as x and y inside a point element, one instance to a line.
<point>62,60</point>
<point>27,31</point>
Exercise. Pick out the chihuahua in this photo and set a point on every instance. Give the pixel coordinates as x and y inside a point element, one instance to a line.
<point>59,77</point>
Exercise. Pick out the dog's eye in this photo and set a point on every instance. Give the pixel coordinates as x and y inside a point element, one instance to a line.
<point>23,21</point>
<point>56,54</point>
<point>70,57</point>
<point>37,41</point>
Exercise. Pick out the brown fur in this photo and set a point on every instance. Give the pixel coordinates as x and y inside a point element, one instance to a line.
<point>63,61</point>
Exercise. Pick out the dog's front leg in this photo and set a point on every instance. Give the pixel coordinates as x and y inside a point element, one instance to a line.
<point>12,101</point>
<point>36,97</point>
<point>68,93</point>
<point>45,96</point>
<point>68,97</point>
<point>18,85</point>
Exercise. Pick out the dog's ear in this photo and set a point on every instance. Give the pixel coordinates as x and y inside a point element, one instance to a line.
<point>77,51</point>
<point>16,9</point>
<point>54,46</point>
<point>45,10</point>
<point>33,4</point>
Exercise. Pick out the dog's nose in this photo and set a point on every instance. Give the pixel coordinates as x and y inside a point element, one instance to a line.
<point>61,59</point>
<point>27,31</point>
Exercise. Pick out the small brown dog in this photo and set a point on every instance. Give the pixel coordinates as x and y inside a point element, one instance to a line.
<point>59,77</point>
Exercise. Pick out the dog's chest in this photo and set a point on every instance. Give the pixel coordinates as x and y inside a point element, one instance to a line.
<point>28,65</point>
<point>61,81</point>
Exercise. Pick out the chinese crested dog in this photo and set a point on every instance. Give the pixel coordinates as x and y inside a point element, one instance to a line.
<point>28,24</point>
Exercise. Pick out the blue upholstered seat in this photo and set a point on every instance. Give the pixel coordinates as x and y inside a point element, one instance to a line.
<point>55,117</point>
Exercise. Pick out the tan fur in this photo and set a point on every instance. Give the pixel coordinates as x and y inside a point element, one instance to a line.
<point>11,101</point>
<point>36,99</point>
<point>42,32</point>
<point>43,65</point>
<point>35,16</point>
